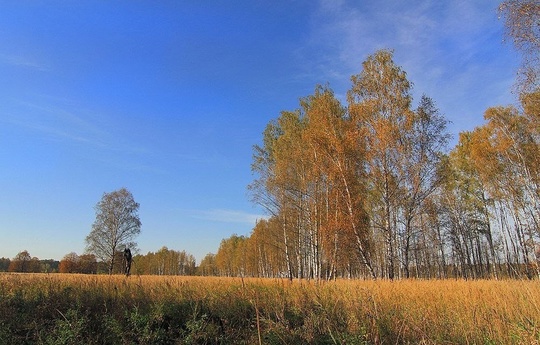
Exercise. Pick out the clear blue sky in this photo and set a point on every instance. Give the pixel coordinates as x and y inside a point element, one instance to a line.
<point>167,98</point>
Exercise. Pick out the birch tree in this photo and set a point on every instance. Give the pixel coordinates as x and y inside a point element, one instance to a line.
<point>380,103</point>
<point>116,226</point>
<point>522,23</point>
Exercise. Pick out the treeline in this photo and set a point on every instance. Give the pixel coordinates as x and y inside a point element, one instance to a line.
<point>163,262</point>
<point>23,262</point>
<point>370,189</point>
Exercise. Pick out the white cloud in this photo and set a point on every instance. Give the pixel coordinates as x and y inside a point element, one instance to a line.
<point>227,216</point>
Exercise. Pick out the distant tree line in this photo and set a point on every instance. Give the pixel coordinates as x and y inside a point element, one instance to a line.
<point>23,262</point>
<point>73,263</point>
<point>163,262</point>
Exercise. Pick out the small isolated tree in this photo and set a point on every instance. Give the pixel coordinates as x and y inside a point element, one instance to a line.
<point>117,224</point>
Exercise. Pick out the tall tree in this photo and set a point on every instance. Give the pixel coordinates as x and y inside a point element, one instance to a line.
<point>380,103</point>
<point>117,224</point>
<point>281,186</point>
<point>338,154</point>
<point>506,151</point>
<point>422,150</point>
<point>466,206</point>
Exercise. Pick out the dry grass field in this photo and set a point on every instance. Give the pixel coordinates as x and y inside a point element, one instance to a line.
<point>90,309</point>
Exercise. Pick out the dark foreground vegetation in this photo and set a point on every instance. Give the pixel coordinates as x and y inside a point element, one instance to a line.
<point>90,309</point>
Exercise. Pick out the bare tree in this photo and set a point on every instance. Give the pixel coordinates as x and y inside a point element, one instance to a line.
<point>116,225</point>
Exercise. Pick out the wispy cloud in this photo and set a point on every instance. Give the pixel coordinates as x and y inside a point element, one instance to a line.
<point>23,62</point>
<point>65,121</point>
<point>56,122</point>
<point>346,33</point>
<point>440,44</point>
<point>227,216</point>
<point>48,130</point>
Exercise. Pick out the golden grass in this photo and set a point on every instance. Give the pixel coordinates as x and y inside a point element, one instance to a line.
<point>278,311</point>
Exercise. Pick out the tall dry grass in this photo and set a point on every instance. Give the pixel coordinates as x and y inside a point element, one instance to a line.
<point>69,309</point>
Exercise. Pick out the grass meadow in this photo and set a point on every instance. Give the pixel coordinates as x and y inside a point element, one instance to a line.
<point>95,309</point>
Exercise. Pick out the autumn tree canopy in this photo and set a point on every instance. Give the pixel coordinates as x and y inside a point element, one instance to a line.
<point>346,185</point>
<point>370,189</point>
<point>74,263</point>
<point>23,262</point>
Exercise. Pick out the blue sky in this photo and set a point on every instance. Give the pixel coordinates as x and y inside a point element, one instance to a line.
<point>167,99</point>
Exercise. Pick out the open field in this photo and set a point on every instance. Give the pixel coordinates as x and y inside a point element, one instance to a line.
<point>90,309</point>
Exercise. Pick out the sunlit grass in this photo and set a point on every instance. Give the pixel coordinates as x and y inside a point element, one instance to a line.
<point>39,308</point>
